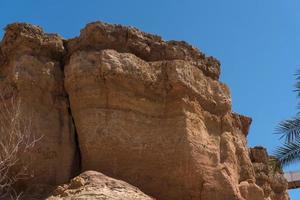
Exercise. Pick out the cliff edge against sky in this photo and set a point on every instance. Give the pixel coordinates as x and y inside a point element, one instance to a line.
<point>134,107</point>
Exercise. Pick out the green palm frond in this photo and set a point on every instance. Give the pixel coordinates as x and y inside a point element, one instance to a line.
<point>289,130</point>
<point>297,85</point>
<point>289,153</point>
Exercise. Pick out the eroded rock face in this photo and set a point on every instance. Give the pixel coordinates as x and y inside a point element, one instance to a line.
<point>146,111</point>
<point>164,123</point>
<point>98,36</point>
<point>268,176</point>
<point>94,185</point>
<point>31,72</point>
<point>131,119</point>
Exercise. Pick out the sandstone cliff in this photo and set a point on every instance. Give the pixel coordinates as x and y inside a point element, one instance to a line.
<point>31,69</point>
<point>134,107</point>
<point>268,176</point>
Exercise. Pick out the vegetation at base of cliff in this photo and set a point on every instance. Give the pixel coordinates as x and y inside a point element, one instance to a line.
<point>16,141</point>
<point>289,130</point>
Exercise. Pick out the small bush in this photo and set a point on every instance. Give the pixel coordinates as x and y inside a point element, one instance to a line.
<point>16,142</point>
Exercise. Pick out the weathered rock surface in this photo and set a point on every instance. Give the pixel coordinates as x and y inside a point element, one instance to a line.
<point>146,111</point>
<point>94,185</point>
<point>98,36</point>
<point>31,71</point>
<point>268,176</point>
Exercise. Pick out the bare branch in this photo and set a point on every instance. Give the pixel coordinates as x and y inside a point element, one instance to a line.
<point>16,142</point>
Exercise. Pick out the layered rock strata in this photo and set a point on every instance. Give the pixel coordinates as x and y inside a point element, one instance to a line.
<point>149,112</point>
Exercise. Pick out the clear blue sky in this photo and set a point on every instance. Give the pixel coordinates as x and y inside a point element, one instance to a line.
<point>257,42</point>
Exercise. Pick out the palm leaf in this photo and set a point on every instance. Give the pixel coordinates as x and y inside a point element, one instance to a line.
<point>297,85</point>
<point>288,153</point>
<point>289,129</point>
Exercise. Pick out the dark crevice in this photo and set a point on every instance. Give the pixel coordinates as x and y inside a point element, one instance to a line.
<point>64,58</point>
<point>76,166</point>
<point>77,158</point>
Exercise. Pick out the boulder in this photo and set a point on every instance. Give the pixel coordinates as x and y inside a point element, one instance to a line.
<point>95,185</point>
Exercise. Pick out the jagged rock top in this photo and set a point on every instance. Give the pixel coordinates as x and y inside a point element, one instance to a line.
<point>98,36</point>
<point>21,38</point>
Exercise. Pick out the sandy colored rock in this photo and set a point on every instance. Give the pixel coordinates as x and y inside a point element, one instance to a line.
<point>251,191</point>
<point>155,125</point>
<point>146,111</point>
<point>268,176</point>
<point>99,36</point>
<point>94,185</point>
<point>155,118</point>
<point>31,72</point>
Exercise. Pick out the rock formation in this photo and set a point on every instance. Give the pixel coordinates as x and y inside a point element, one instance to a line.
<point>94,185</point>
<point>31,64</point>
<point>136,108</point>
<point>268,176</point>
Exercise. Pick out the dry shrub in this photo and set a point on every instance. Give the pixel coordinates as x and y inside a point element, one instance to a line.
<point>16,142</point>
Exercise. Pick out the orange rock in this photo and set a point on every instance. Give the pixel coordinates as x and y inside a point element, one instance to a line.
<point>147,111</point>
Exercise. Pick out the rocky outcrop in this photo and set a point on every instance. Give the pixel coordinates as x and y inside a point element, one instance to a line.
<point>138,112</point>
<point>31,71</point>
<point>94,185</point>
<point>98,36</point>
<point>268,176</point>
<point>146,111</point>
